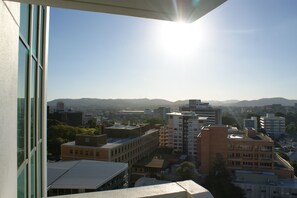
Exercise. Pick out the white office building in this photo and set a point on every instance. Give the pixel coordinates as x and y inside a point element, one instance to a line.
<point>251,123</point>
<point>203,109</point>
<point>273,125</point>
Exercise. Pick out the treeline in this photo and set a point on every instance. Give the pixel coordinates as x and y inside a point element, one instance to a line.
<point>59,133</point>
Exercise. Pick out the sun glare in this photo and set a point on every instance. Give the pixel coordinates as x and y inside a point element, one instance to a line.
<point>179,38</point>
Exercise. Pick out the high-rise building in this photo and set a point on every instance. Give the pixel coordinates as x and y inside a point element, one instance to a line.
<point>248,151</point>
<point>23,71</point>
<point>214,115</point>
<point>273,125</point>
<point>251,123</point>
<point>183,129</point>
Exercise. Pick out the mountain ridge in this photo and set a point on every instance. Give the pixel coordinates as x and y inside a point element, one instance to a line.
<point>145,103</point>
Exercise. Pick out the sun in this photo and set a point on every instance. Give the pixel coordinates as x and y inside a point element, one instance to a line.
<point>180,39</point>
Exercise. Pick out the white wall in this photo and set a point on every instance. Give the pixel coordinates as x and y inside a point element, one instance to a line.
<point>9,20</point>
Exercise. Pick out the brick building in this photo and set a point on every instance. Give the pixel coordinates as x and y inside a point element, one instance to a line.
<point>242,151</point>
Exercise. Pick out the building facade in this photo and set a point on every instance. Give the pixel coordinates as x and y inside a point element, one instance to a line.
<point>128,149</point>
<point>183,129</point>
<point>214,115</point>
<point>265,184</point>
<point>273,125</point>
<point>23,56</point>
<point>248,151</point>
<point>251,123</point>
<point>163,137</point>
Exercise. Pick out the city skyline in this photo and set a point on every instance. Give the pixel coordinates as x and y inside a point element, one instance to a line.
<point>245,50</point>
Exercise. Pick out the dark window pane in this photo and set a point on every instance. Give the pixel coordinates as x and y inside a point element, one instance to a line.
<point>39,171</point>
<point>22,183</point>
<point>35,30</point>
<point>40,105</point>
<point>22,90</point>
<point>24,22</point>
<point>33,105</point>
<point>33,175</point>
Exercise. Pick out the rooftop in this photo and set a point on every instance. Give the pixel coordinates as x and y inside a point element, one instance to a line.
<point>123,127</point>
<point>113,142</point>
<point>243,137</point>
<point>82,174</point>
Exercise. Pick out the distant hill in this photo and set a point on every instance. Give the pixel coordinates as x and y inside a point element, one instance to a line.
<point>116,104</point>
<point>265,101</point>
<point>144,103</point>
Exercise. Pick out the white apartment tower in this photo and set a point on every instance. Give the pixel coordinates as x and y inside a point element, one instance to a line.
<point>251,123</point>
<point>273,125</point>
<point>183,129</point>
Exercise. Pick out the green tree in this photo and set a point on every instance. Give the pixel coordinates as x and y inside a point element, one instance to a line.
<point>91,123</point>
<point>291,128</point>
<point>228,119</point>
<point>219,183</point>
<point>58,134</point>
<point>280,114</point>
<point>153,121</point>
<point>186,171</point>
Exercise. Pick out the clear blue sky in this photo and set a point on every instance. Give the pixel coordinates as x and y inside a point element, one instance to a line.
<point>245,49</point>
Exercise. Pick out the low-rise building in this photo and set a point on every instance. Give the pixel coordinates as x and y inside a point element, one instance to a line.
<point>247,151</point>
<point>71,177</point>
<point>265,184</point>
<point>128,145</point>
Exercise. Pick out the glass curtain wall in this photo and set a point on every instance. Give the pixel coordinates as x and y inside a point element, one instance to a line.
<point>30,107</point>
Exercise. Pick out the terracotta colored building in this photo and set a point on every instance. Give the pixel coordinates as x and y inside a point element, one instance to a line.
<point>242,151</point>
<point>105,148</point>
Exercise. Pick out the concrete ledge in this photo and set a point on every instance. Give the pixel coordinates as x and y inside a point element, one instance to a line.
<point>185,189</point>
<point>172,10</point>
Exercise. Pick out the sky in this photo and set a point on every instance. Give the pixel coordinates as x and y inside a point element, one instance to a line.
<point>244,49</point>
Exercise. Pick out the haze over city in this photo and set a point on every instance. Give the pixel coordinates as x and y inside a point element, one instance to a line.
<point>241,50</point>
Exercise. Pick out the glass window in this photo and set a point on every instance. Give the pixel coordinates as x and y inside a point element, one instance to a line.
<point>22,183</point>
<point>30,77</point>
<point>41,35</point>
<point>40,105</point>
<point>35,30</point>
<point>22,81</point>
<point>24,22</point>
<point>33,175</point>
<point>39,171</point>
<point>33,101</point>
